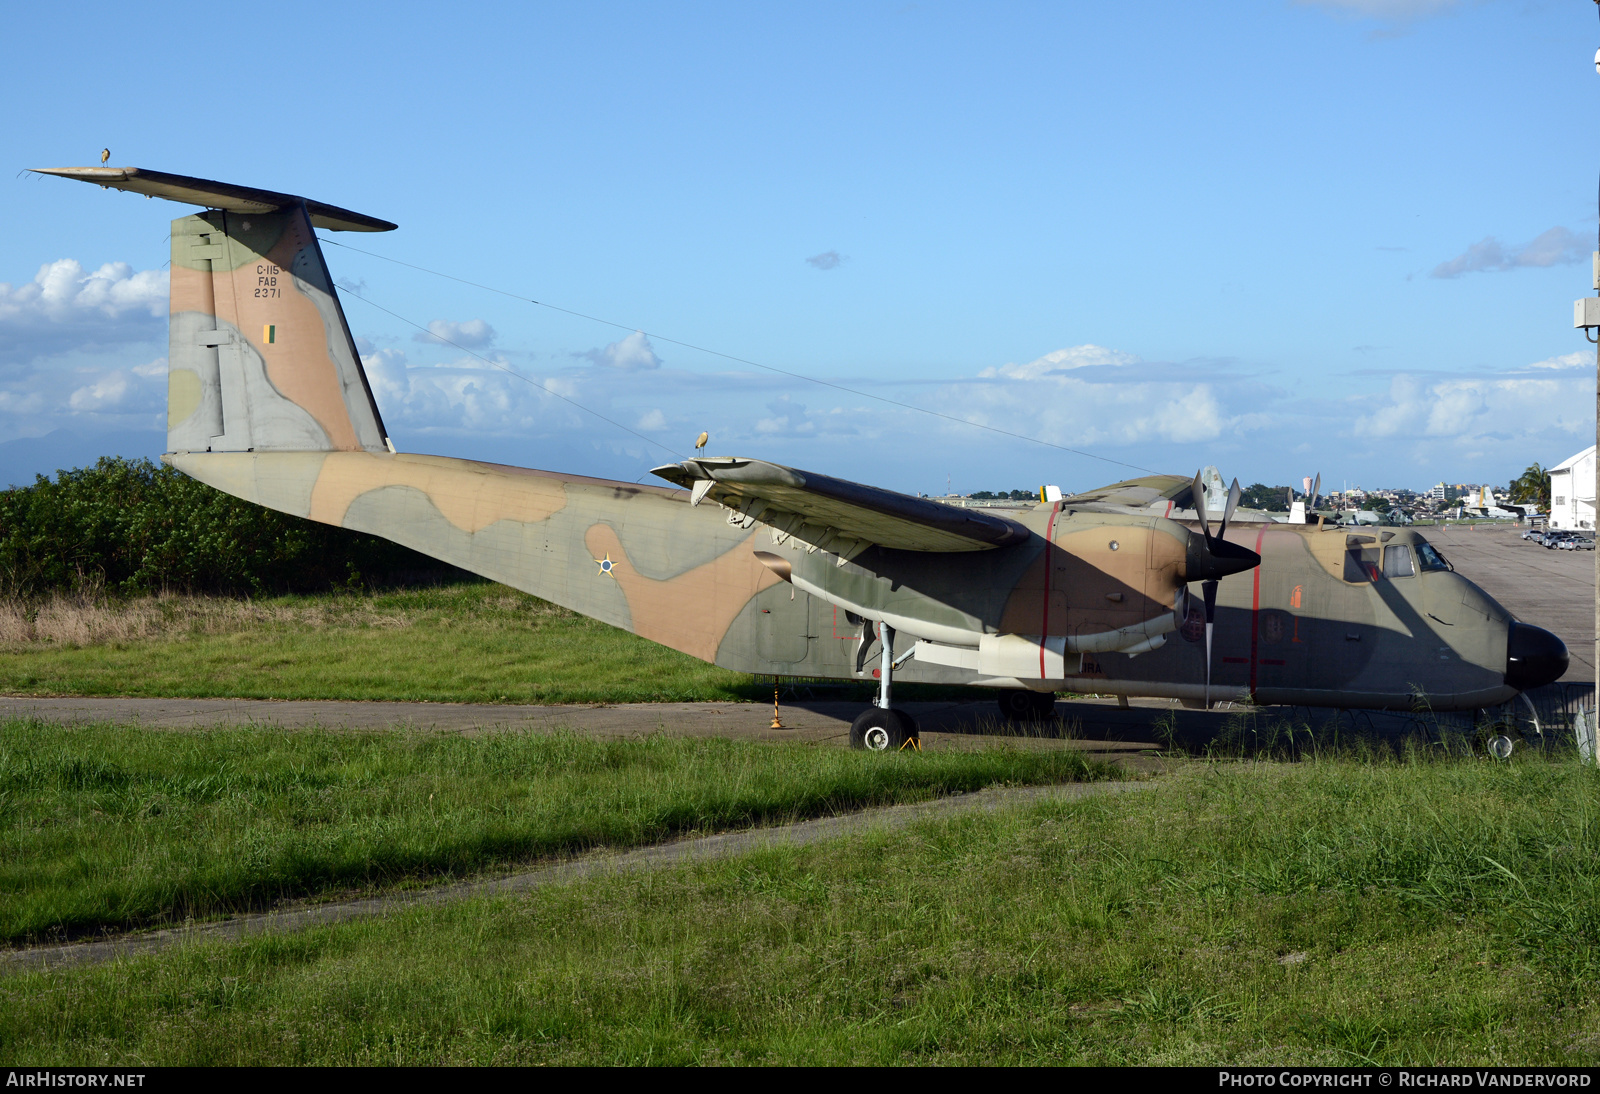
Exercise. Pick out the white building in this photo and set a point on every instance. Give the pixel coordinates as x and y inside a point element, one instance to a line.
<point>1572,492</point>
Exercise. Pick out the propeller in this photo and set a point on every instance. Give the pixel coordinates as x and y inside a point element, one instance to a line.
<point>1211,558</point>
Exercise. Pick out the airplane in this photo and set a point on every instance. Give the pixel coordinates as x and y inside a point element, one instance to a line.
<point>772,570</point>
<point>1482,503</point>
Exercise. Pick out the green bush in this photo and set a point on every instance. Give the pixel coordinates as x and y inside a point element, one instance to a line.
<point>133,526</point>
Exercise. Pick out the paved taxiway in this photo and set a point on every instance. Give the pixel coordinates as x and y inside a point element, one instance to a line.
<point>1552,589</point>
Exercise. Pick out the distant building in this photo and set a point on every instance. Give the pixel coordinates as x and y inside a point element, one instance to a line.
<point>1437,493</point>
<point>1572,492</point>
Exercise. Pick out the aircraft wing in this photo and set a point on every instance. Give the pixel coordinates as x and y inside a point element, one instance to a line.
<point>1139,493</point>
<point>834,515</point>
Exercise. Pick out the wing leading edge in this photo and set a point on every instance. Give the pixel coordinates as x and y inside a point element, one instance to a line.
<point>843,518</point>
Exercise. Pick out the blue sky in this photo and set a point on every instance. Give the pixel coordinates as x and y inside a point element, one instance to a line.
<point>1284,238</point>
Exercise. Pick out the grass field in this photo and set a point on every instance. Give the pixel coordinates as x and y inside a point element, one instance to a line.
<point>108,826</point>
<point>469,642</point>
<point>1330,912</point>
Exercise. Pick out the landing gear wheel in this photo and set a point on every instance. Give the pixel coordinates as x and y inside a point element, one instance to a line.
<point>879,730</point>
<point>1022,705</point>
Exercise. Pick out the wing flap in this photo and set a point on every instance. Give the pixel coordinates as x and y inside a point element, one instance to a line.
<point>837,515</point>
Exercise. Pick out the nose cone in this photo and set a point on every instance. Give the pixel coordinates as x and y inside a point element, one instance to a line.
<point>1534,657</point>
<point>1209,559</point>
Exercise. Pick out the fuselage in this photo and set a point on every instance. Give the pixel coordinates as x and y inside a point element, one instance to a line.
<point>1371,618</point>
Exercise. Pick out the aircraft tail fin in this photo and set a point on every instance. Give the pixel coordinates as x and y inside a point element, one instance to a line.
<point>260,357</point>
<point>1216,490</point>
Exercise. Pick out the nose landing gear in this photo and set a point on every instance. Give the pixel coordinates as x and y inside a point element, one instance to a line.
<point>882,728</point>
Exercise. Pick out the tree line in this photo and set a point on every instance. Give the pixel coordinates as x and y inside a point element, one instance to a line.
<point>134,526</point>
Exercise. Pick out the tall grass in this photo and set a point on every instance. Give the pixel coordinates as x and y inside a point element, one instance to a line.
<point>106,826</point>
<point>468,642</point>
<point>1331,912</point>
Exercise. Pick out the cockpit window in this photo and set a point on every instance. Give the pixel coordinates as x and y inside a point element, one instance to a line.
<point>1430,558</point>
<point>1397,562</point>
<point>1361,565</point>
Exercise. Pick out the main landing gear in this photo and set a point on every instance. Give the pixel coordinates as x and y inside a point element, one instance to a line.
<point>882,728</point>
<point>1022,705</point>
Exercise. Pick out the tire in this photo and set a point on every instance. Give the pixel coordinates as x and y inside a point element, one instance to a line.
<point>1023,705</point>
<point>879,730</point>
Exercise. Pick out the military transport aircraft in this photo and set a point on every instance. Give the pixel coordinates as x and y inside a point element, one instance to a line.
<point>767,569</point>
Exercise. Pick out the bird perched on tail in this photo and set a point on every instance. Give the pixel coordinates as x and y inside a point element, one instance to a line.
<point>105,156</point>
<point>700,441</point>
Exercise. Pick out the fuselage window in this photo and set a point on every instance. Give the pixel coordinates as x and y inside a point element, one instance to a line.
<point>1397,562</point>
<point>1361,565</point>
<point>1430,558</point>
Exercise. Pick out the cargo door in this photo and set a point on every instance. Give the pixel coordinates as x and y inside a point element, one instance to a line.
<point>783,628</point>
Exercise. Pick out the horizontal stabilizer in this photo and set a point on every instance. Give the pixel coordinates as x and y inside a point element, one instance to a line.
<point>218,195</point>
<point>835,515</point>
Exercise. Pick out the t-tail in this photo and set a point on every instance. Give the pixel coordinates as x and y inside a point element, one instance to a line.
<point>268,401</point>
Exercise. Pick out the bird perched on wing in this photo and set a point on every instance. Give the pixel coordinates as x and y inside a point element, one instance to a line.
<point>700,441</point>
<point>105,156</point>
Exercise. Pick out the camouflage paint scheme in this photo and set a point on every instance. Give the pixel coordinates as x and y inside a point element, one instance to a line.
<point>769,570</point>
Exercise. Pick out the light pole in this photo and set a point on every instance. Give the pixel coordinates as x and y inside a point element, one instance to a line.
<point>1586,315</point>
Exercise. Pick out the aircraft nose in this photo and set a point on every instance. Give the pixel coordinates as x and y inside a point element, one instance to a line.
<point>1534,657</point>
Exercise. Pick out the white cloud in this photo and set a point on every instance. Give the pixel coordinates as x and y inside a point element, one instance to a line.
<point>468,335</point>
<point>106,392</point>
<point>1472,415</point>
<point>63,308</point>
<point>61,292</point>
<point>1576,359</point>
<point>1556,247</point>
<point>786,418</point>
<point>464,395</point>
<point>652,420</point>
<point>21,402</point>
<point>1086,395</point>
<point>1061,361</point>
<point>631,354</point>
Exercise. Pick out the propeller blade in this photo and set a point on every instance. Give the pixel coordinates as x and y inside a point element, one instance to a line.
<point>1199,491</point>
<point>1227,513</point>
<point>1209,590</point>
